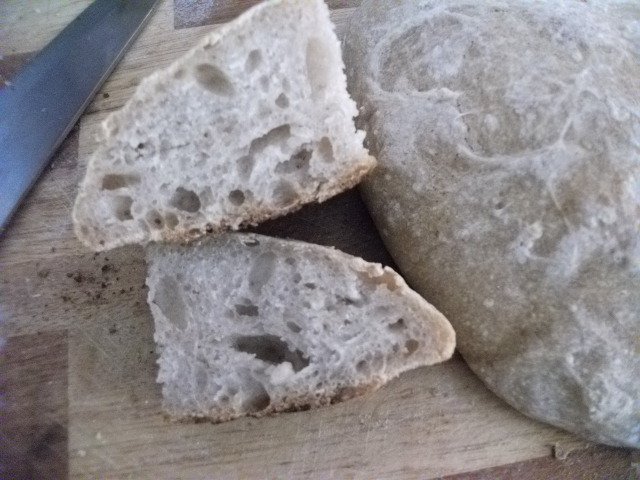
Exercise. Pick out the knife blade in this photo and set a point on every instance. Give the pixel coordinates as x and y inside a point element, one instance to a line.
<point>46,98</point>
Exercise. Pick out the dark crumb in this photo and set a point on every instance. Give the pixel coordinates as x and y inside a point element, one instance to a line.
<point>113,330</point>
<point>106,268</point>
<point>131,289</point>
<point>43,273</point>
<point>117,279</point>
<point>98,295</point>
<point>103,285</point>
<point>78,277</point>
<point>122,291</point>
<point>209,228</point>
<point>65,298</point>
<point>69,274</point>
<point>105,95</point>
<point>53,249</point>
<point>101,242</point>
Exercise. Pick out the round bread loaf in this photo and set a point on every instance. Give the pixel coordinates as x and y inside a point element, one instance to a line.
<point>508,192</point>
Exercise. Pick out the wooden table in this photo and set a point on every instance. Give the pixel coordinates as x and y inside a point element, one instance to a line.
<point>78,370</point>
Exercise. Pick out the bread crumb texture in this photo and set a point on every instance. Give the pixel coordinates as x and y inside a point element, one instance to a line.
<point>251,124</point>
<point>508,136</point>
<point>250,325</point>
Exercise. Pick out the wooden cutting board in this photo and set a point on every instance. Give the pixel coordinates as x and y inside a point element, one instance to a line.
<point>77,375</point>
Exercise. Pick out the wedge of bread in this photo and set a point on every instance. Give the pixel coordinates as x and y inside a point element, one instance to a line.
<point>250,325</point>
<point>251,124</point>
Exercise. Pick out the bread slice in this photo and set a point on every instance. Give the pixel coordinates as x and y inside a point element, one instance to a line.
<point>250,325</point>
<point>251,124</point>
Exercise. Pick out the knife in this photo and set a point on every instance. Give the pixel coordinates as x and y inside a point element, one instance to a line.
<point>46,98</point>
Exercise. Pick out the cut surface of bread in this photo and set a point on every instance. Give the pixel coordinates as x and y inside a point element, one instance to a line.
<point>251,325</point>
<point>251,124</point>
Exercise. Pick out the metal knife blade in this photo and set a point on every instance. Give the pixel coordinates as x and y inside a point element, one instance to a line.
<point>46,98</point>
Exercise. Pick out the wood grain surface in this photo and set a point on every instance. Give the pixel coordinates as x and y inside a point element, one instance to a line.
<point>78,396</point>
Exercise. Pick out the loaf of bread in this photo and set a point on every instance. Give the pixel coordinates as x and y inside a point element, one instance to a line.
<point>508,192</point>
<point>250,325</point>
<point>251,124</point>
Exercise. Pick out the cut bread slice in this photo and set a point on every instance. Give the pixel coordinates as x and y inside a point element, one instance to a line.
<point>251,325</point>
<point>251,124</point>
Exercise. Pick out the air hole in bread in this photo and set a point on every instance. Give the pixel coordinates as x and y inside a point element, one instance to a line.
<point>185,200</point>
<point>122,207</point>
<point>168,299</point>
<point>271,349</point>
<point>178,74</point>
<point>282,101</point>
<point>247,309</point>
<point>275,136</point>
<point>296,277</point>
<point>411,346</point>
<point>319,61</point>
<point>254,59</point>
<point>257,399</point>
<point>114,181</point>
<point>294,327</point>
<point>264,83</point>
<point>290,261</point>
<point>245,166</point>
<point>361,366</point>
<point>298,163</point>
<point>262,271</point>
<point>171,220</point>
<point>397,326</point>
<point>285,194</point>
<point>236,197</point>
<point>310,285</point>
<point>154,219</point>
<point>325,150</point>
<point>213,79</point>
<point>349,302</point>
